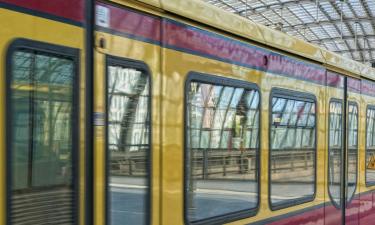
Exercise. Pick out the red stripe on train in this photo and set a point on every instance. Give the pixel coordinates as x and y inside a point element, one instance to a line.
<point>335,80</point>
<point>68,9</point>
<point>361,210</point>
<point>368,87</point>
<point>134,23</point>
<point>354,85</point>
<point>208,44</point>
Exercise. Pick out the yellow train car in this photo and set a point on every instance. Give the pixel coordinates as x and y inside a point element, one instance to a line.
<point>171,112</point>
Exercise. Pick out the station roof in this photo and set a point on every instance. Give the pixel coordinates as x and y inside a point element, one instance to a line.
<point>346,27</point>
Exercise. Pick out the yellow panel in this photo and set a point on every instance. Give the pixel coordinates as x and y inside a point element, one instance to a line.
<point>365,101</point>
<point>343,63</point>
<point>291,44</point>
<point>268,82</point>
<point>368,72</point>
<point>17,25</point>
<point>99,142</point>
<point>175,72</point>
<point>149,54</point>
<point>168,173</point>
<point>203,12</point>
<point>155,3</point>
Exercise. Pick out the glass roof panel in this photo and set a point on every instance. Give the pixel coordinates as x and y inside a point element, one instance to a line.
<point>371,7</point>
<point>345,27</point>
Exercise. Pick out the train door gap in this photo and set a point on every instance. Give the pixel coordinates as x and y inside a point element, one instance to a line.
<point>344,153</point>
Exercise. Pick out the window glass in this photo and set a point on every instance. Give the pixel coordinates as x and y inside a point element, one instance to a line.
<point>335,151</point>
<point>41,145</point>
<point>292,153</point>
<point>223,143</point>
<point>352,149</point>
<point>370,146</point>
<point>128,96</point>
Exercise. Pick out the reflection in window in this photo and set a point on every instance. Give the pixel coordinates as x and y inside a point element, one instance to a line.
<point>42,138</point>
<point>128,144</point>
<point>370,146</point>
<point>335,151</point>
<point>292,153</point>
<point>352,149</point>
<point>223,143</point>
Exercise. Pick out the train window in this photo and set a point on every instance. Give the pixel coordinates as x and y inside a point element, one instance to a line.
<point>222,131</point>
<point>352,149</point>
<point>335,151</point>
<point>292,148</point>
<point>370,146</point>
<point>128,145</point>
<point>41,142</point>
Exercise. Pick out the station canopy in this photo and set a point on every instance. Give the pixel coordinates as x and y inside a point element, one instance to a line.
<point>346,27</point>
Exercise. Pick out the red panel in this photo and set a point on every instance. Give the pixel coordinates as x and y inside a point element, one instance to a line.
<point>354,85</point>
<point>208,44</point>
<point>366,210</point>
<point>315,217</point>
<point>360,208</point>
<point>335,80</point>
<point>284,65</point>
<point>133,23</point>
<point>333,215</point>
<point>69,9</point>
<point>368,87</point>
<point>352,212</point>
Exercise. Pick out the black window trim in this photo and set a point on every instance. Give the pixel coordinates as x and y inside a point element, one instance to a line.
<point>111,60</point>
<point>341,101</point>
<point>224,81</point>
<point>348,200</point>
<point>293,95</point>
<point>370,183</point>
<point>44,48</point>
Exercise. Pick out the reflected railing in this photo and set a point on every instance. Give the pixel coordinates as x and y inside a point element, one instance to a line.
<point>129,164</point>
<point>287,160</point>
<point>219,177</point>
<point>219,163</point>
<point>214,164</point>
<point>292,175</point>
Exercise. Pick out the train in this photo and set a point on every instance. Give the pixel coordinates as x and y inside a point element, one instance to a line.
<point>167,112</point>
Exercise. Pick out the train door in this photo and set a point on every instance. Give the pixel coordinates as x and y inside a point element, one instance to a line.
<point>42,148</point>
<point>367,152</point>
<point>352,200</point>
<point>342,204</point>
<point>126,65</point>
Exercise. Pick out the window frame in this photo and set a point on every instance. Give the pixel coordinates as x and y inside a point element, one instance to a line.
<point>348,200</point>
<point>193,76</point>
<point>293,95</point>
<point>372,183</point>
<point>111,60</point>
<point>43,48</point>
<point>341,101</point>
